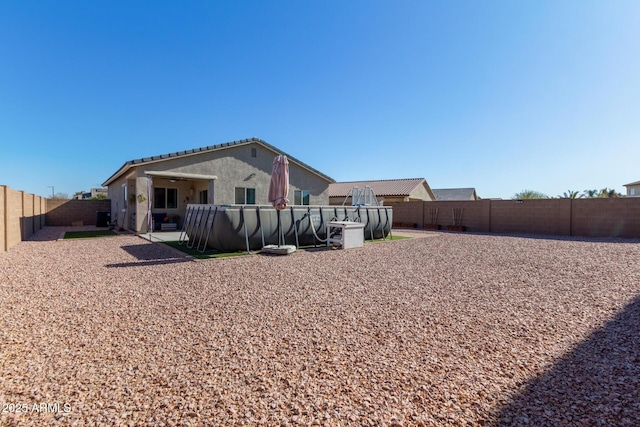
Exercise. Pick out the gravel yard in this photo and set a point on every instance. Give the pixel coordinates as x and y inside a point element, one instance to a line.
<point>453,329</point>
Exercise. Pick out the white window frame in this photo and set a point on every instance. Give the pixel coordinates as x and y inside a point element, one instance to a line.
<point>299,197</point>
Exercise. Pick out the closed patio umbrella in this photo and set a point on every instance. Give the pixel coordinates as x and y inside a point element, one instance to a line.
<point>279,188</point>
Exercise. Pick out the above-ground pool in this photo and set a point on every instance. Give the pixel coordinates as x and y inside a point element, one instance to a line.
<point>231,228</point>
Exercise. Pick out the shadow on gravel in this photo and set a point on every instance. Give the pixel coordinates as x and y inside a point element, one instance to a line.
<point>586,239</point>
<point>598,383</point>
<point>149,254</point>
<point>146,263</point>
<point>47,234</point>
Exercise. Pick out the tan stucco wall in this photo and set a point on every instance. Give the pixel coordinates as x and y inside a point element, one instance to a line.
<point>119,208</point>
<point>636,190</point>
<point>233,167</point>
<point>420,193</point>
<point>386,200</point>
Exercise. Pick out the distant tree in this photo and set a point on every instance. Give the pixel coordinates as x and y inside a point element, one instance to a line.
<point>529,194</point>
<point>590,193</point>
<point>61,196</point>
<point>605,193</point>
<point>99,196</point>
<point>571,195</point>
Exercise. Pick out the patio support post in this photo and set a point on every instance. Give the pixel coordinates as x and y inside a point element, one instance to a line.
<point>149,205</point>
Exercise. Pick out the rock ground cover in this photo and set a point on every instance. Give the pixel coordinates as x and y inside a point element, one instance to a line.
<point>454,329</point>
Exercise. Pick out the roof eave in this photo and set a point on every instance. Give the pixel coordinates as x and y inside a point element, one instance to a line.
<point>124,168</point>
<point>164,157</point>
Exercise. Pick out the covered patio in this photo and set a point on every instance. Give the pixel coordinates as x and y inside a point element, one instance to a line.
<point>159,201</point>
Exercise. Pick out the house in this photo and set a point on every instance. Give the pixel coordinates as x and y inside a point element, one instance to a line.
<point>448,194</point>
<point>95,192</point>
<point>633,189</point>
<point>387,191</point>
<point>237,172</point>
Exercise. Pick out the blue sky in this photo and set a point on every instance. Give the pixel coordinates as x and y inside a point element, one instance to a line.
<point>498,95</point>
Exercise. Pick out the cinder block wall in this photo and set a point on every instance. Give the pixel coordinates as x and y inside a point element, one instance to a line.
<point>66,212</point>
<point>3,218</point>
<point>615,217</point>
<point>13,219</point>
<point>408,214</point>
<point>27,215</point>
<point>540,216</point>
<point>475,214</point>
<point>606,217</point>
<point>21,215</point>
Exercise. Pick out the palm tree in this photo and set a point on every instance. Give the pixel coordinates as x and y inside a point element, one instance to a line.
<point>590,193</point>
<point>607,193</point>
<point>571,195</point>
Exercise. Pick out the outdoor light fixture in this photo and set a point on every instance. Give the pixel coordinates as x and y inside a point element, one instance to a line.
<point>519,201</point>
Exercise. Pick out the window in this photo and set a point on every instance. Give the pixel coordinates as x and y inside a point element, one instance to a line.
<point>254,152</point>
<point>301,197</point>
<point>203,197</point>
<point>632,191</point>
<point>165,198</point>
<point>245,196</point>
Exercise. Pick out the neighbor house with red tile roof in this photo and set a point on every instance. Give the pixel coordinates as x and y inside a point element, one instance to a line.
<point>387,191</point>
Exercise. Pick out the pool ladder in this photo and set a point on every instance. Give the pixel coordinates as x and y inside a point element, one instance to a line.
<point>197,226</point>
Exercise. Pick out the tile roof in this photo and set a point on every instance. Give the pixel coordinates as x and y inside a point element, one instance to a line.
<point>455,193</point>
<point>381,188</point>
<point>136,162</point>
<point>632,183</point>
